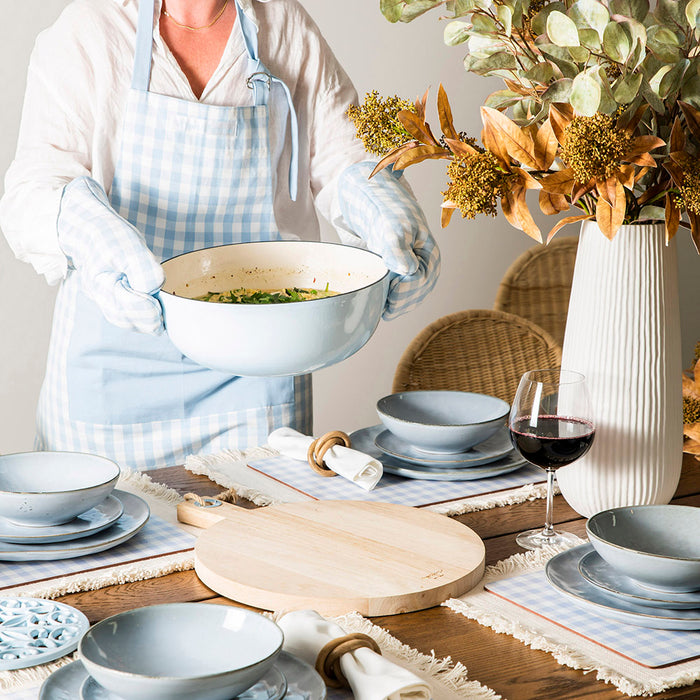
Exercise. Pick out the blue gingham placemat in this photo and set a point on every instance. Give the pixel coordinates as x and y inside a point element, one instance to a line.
<point>390,489</point>
<point>156,537</point>
<point>649,647</point>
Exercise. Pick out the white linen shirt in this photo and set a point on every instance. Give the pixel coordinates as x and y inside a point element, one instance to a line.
<point>78,80</point>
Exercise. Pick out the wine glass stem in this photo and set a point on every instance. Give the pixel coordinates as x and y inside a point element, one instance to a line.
<point>549,516</point>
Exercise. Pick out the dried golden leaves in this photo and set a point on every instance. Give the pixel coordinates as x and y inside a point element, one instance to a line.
<point>691,409</point>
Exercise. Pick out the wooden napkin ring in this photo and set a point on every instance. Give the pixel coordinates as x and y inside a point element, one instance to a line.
<point>328,660</point>
<point>319,447</point>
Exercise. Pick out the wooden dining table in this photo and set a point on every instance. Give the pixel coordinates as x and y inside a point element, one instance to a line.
<point>498,661</point>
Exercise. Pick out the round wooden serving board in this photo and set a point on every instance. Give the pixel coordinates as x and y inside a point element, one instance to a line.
<point>334,556</point>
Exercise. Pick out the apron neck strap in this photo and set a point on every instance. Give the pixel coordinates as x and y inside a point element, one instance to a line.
<point>260,79</point>
<point>260,82</point>
<point>249,30</point>
<point>141,75</point>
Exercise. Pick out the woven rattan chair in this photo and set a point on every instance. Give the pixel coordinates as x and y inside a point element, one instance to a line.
<point>538,284</point>
<point>479,350</point>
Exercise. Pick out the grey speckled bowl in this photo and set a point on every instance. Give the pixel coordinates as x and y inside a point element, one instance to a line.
<point>442,421</point>
<point>38,489</point>
<point>181,651</point>
<point>658,545</point>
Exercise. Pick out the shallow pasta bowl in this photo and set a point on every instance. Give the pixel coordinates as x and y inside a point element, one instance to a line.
<point>273,339</point>
<point>40,489</point>
<point>658,545</point>
<point>442,421</point>
<point>180,651</point>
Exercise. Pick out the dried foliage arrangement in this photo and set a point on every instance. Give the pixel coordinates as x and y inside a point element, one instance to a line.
<point>600,111</point>
<point>691,407</point>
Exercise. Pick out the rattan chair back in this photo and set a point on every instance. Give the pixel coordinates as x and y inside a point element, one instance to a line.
<point>537,285</point>
<point>479,350</point>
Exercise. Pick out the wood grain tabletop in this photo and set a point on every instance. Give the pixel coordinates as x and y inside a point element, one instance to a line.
<point>499,661</point>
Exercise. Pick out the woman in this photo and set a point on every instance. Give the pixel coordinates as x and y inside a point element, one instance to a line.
<point>154,129</point>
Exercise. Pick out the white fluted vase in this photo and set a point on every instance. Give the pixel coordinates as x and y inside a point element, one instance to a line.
<point>623,333</point>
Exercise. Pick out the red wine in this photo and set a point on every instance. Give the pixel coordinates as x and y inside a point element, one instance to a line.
<point>554,441</point>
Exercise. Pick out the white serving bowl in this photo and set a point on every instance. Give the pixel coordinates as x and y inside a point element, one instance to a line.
<point>657,545</point>
<point>442,421</point>
<point>273,339</point>
<point>49,488</point>
<point>180,651</point>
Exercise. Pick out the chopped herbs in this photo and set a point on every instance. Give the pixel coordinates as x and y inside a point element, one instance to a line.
<point>259,296</point>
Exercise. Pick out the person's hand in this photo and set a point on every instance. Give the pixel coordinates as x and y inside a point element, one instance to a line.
<point>385,215</point>
<point>117,270</point>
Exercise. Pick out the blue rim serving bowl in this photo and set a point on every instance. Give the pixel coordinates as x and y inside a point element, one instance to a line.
<point>39,489</point>
<point>273,339</point>
<point>657,545</point>
<point>442,421</point>
<point>181,651</point>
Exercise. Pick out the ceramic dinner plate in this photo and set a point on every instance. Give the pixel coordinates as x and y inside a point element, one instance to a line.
<point>497,446</point>
<point>303,683</point>
<point>272,686</point>
<point>92,521</point>
<point>598,572</point>
<point>502,466</point>
<point>133,518</point>
<point>363,440</point>
<point>563,573</point>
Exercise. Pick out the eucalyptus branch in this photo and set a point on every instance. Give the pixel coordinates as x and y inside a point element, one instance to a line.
<point>572,146</point>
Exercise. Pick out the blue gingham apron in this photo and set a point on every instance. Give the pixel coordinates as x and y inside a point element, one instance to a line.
<point>189,176</point>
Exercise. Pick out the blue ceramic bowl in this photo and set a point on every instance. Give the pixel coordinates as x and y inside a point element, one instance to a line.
<point>273,339</point>
<point>658,546</point>
<point>39,489</point>
<point>442,421</point>
<point>180,651</point>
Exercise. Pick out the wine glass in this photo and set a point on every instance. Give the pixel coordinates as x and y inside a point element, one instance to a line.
<point>551,426</point>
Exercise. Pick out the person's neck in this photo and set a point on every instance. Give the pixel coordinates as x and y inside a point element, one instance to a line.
<point>194,13</point>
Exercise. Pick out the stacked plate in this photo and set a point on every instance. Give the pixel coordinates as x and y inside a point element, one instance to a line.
<point>493,457</point>
<point>642,567</point>
<point>290,678</point>
<point>59,505</point>
<point>441,435</point>
<point>191,651</point>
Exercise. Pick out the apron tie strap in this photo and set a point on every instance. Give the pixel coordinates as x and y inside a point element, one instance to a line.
<point>260,82</point>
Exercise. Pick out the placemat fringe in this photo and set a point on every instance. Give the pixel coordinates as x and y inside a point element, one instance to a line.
<point>146,485</point>
<point>474,607</point>
<point>15,680</point>
<point>529,492</point>
<point>113,575</point>
<point>452,675</point>
<point>206,465</point>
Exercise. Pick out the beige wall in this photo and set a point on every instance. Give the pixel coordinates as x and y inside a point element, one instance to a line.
<point>403,59</point>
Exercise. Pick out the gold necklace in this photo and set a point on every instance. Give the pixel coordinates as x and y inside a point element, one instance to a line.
<point>197,29</point>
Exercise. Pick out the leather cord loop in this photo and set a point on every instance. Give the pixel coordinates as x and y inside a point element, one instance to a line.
<point>328,660</point>
<point>319,447</point>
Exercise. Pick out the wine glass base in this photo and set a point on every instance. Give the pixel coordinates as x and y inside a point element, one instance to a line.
<point>534,539</point>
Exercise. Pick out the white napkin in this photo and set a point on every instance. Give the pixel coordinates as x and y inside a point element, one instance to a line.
<point>371,676</point>
<point>355,466</point>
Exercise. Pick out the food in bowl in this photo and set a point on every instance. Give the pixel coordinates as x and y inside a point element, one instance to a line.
<point>656,545</point>
<point>271,340</point>
<point>181,651</point>
<point>39,489</point>
<point>265,296</point>
<point>442,421</point>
